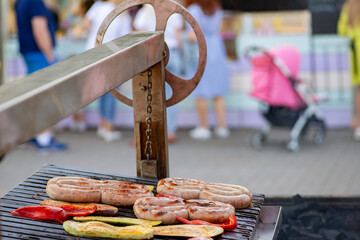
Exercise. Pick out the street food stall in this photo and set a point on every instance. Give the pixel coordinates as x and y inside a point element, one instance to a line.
<point>39,100</point>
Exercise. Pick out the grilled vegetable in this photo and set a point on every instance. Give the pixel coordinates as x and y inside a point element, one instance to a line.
<point>151,188</point>
<point>72,209</point>
<point>101,209</point>
<point>229,225</point>
<point>188,231</point>
<point>103,230</point>
<point>47,213</point>
<point>118,220</point>
<point>105,210</point>
<point>200,238</point>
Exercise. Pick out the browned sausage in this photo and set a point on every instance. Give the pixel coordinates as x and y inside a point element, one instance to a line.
<point>121,193</point>
<point>238,196</point>
<point>160,209</point>
<point>76,189</point>
<point>211,211</point>
<point>180,187</point>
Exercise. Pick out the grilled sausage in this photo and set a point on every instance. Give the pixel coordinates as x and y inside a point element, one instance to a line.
<point>211,211</point>
<point>121,193</point>
<point>160,209</point>
<point>180,187</point>
<point>76,189</point>
<point>237,196</point>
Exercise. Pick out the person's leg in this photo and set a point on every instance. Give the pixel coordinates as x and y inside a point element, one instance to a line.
<point>174,66</point>
<point>220,111</point>
<point>107,111</point>
<point>107,114</point>
<point>171,123</point>
<point>78,121</point>
<point>45,140</point>
<point>356,117</point>
<point>202,110</point>
<point>221,130</point>
<point>171,117</point>
<point>202,132</point>
<point>357,107</point>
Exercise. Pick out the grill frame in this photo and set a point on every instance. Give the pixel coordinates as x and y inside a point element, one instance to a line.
<point>32,192</point>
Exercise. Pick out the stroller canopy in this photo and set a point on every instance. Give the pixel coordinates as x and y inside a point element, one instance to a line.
<point>271,73</point>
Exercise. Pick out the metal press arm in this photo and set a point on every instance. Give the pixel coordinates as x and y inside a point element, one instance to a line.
<point>38,101</point>
<point>41,99</point>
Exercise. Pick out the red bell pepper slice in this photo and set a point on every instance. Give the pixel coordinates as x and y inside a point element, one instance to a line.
<point>73,210</point>
<point>229,225</point>
<point>47,213</point>
<point>169,196</point>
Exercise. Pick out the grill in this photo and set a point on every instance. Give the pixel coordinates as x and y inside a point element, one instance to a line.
<point>32,192</point>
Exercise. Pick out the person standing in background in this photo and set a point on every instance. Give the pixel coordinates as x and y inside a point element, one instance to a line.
<point>145,21</point>
<point>36,34</point>
<point>215,81</point>
<point>349,25</point>
<point>119,27</point>
<point>78,122</point>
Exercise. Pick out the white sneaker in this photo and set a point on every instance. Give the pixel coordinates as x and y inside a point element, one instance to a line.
<point>222,132</point>
<point>78,127</point>
<point>356,135</point>
<point>200,133</point>
<point>109,136</point>
<point>100,132</point>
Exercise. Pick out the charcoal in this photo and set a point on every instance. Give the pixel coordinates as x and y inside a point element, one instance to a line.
<point>351,235</point>
<point>301,233</point>
<point>305,219</point>
<point>328,215</point>
<point>330,234</point>
<point>311,219</point>
<point>298,206</point>
<point>282,234</point>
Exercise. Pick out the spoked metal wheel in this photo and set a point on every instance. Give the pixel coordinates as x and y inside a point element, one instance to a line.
<point>258,140</point>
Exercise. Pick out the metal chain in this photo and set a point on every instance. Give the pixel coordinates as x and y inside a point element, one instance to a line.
<point>148,146</point>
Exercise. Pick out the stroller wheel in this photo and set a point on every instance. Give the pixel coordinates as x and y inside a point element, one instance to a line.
<point>293,146</point>
<point>320,135</point>
<point>258,140</point>
<point>304,132</point>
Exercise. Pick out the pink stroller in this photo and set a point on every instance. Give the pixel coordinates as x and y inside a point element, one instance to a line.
<point>288,103</point>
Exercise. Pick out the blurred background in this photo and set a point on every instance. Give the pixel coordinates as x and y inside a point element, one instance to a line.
<point>309,25</point>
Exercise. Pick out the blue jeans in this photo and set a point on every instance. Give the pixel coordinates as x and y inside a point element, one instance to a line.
<point>35,61</point>
<point>107,107</point>
<point>175,67</point>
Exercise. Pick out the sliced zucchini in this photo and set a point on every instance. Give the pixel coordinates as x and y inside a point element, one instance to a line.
<point>188,231</point>
<point>118,220</point>
<point>103,230</point>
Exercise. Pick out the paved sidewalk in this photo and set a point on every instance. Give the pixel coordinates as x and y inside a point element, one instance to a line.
<point>331,169</point>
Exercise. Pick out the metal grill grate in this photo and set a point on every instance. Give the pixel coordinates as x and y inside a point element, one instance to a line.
<point>32,192</point>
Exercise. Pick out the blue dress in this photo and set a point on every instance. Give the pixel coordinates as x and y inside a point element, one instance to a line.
<point>215,81</point>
